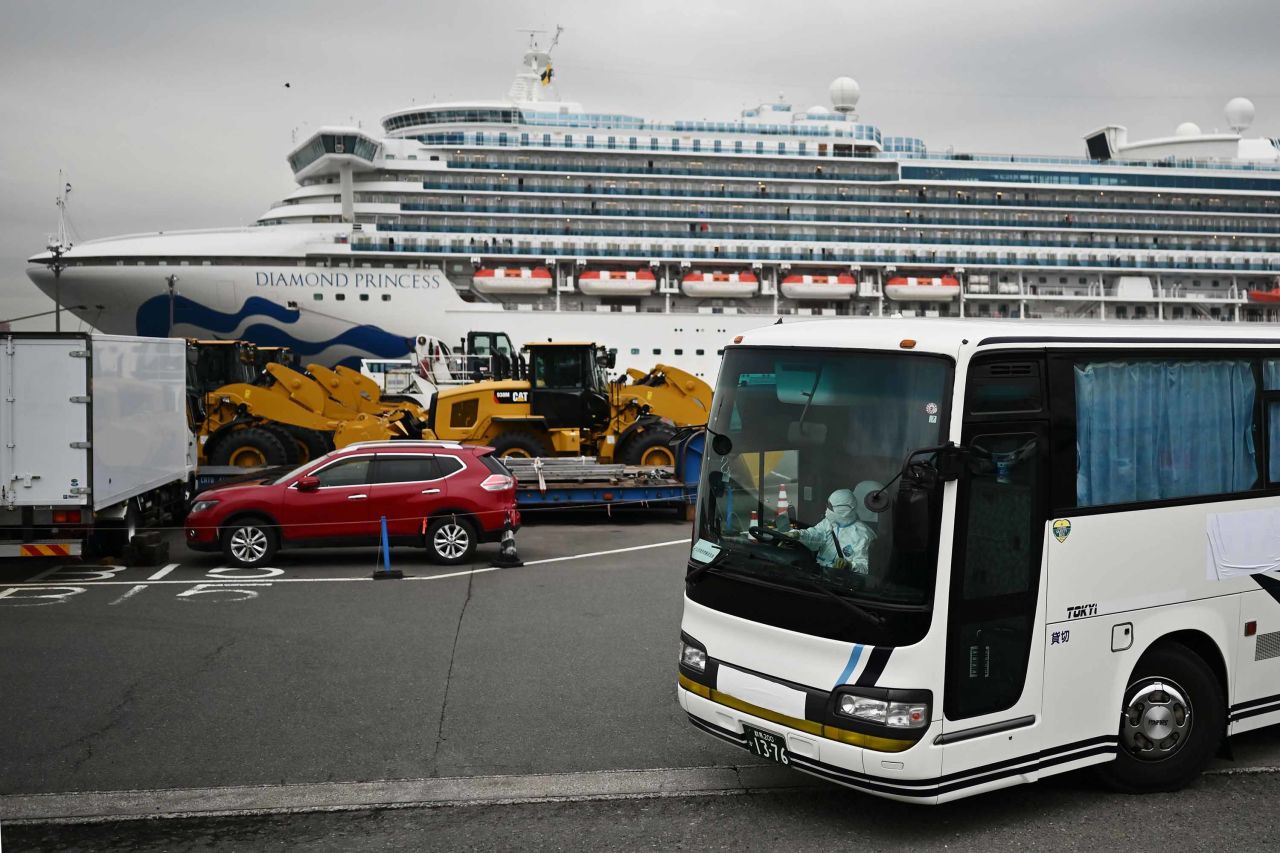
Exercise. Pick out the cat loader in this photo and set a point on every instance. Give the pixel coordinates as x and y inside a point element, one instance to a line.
<point>248,409</point>
<point>558,401</point>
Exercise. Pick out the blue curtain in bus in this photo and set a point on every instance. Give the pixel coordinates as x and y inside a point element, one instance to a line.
<point>1271,382</point>
<point>1152,430</point>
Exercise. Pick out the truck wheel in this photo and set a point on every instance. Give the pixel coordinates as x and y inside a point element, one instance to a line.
<point>292,450</point>
<point>249,542</point>
<point>252,447</point>
<point>1171,722</point>
<point>520,445</point>
<point>451,539</point>
<point>311,443</point>
<point>651,447</point>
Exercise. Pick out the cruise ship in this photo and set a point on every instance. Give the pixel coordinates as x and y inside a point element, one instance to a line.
<point>532,216</point>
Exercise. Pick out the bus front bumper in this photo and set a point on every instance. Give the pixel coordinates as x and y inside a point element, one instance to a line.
<point>909,774</point>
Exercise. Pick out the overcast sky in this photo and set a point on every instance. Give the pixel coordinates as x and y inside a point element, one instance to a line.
<point>170,115</point>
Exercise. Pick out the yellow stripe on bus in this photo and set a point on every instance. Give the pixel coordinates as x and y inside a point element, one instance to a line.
<point>879,744</point>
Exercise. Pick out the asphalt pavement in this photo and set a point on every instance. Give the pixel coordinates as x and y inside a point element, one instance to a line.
<point>195,689</point>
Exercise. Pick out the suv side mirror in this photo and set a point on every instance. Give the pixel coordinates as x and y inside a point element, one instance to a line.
<point>308,484</point>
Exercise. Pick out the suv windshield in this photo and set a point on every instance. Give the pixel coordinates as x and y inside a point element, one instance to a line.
<point>783,511</point>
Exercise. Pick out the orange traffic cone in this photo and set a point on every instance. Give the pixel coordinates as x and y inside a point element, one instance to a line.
<point>754,525</point>
<point>784,516</point>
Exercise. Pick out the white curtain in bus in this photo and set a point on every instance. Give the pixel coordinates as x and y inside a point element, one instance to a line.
<point>1243,543</point>
<point>1154,430</point>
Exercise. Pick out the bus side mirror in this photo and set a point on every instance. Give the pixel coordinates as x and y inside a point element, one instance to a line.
<point>912,518</point>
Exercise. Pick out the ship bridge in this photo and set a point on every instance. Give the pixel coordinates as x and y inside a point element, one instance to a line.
<point>335,150</point>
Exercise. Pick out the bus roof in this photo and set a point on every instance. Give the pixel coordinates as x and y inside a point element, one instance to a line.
<point>950,336</point>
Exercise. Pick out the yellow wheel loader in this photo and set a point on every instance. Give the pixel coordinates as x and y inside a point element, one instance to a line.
<point>559,401</point>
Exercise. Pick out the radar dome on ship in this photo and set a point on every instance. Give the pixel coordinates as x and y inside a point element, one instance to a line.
<point>844,93</point>
<point>817,110</point>
<point>1240,114</point>
<point>1187,128</point>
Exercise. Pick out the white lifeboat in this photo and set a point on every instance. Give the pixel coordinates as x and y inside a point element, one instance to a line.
<point>840,286</point>
<point>617,282</point>
<point>512,280</point>
<point>922,289</point>
<point>720,284</point>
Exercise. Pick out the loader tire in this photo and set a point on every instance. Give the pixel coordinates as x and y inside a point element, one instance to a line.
<point>252,447</point>
<point>311,443</point>
<point>520,444</point>
<point>292,451</point>
<point>651,447</point>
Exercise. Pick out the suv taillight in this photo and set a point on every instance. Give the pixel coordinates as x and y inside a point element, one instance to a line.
<point>498,483</point>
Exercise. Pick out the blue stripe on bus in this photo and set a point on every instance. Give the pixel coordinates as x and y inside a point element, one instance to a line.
<point>848,667</point>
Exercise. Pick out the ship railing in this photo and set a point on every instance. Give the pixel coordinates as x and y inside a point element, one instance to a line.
<point>782,195</point>
<point>957,239</point>
<point>921,259</point>
<point>773,215</point>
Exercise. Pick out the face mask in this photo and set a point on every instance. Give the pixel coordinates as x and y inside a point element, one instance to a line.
<point>840,515</point>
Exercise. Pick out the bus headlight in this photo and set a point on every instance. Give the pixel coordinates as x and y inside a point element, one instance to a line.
<point>896,715</point>
<point>693,657</point>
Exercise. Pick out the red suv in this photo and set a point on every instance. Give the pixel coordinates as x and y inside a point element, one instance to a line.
<point>446,497</point>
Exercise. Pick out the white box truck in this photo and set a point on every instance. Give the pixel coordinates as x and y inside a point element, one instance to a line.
<point>94,440</point>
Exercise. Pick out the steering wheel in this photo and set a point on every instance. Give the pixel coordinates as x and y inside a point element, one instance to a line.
<point>768,534</point>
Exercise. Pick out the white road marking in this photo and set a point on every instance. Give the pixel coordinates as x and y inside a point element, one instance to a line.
<point>137,589</point>
<point>160,574</point>
<point>684,541</point>
<point>279,580</point>
<point>42,575</point>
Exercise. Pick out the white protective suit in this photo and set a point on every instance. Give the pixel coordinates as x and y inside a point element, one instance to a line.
<point>843,524</point>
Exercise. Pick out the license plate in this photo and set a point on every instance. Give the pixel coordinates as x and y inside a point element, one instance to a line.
<point>767,745</point>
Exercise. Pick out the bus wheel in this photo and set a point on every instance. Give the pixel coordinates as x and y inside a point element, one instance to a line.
<point>1171,722</point>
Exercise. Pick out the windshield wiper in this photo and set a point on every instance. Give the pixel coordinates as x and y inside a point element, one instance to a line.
<point>865,615</point>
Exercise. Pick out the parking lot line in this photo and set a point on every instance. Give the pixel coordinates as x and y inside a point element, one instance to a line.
<point>160,574</point>
<point>159,578</point>
<point>684,541</point>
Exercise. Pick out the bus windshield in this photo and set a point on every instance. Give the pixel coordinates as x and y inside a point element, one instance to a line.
<point>812,433</point>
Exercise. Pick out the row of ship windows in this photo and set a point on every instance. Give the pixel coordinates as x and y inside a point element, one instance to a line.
<point>636,143</point>
<point>609,121</point>
<point>342,297</point>
<point>906,218</point>
<point>1216,243</point>
<point>1038,197</point>
<point>950,174</point>
<point>1157,202</point>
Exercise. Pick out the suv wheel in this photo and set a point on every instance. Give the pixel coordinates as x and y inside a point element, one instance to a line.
<point>451,540</point>
<point>249,542</point>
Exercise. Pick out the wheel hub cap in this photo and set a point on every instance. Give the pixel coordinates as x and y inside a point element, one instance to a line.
<point>1157,720</point>
<point>451,541</point>
<point>249,544</point>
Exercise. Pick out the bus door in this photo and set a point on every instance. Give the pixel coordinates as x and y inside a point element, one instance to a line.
<point>992,690</point>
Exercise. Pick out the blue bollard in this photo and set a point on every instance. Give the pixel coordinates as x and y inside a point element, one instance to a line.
<point>387,572</point>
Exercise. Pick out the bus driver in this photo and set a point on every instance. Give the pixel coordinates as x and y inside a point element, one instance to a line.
<point>841,540</point>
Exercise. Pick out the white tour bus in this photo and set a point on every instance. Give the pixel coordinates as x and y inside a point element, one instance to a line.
<point>1011,550</point>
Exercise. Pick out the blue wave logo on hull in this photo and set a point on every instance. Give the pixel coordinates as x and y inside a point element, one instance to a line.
<point>153,320</point>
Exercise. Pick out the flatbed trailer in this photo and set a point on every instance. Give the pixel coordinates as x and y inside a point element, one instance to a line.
<point>581,482</point>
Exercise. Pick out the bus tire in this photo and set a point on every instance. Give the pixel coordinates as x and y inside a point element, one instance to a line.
<point>1172,719</point>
